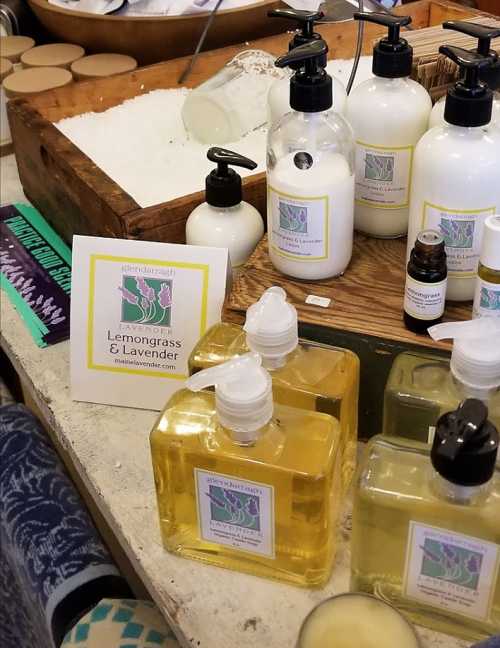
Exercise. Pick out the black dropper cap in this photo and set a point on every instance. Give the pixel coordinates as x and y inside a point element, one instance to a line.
<point>465,445</point>
<point>469,102</point>
<point>310,87</point>
<point>484,35</point>
<point>306,33</point>
<point>223,185</point>
<point>392,56</point>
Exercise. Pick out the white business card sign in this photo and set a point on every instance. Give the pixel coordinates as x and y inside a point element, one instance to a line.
<point>137,310</point>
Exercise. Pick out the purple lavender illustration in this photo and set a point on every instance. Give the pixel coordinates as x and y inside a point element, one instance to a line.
<point>252,507</point>
<point>152,301</point>
<point>128,296</point>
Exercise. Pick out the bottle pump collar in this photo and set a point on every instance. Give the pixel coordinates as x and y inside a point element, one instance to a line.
<point>271,326</point>
<point>305,23</point>
<point>475,358</point>
<point>469,102</point>
<point>223,185</point>
<point>311,86</point>
<point>392,56</point>
<point>465,445</point>
<point>243,395</point>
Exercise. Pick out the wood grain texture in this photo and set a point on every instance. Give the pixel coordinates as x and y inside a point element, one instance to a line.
<point>79,198</point>
<point>367,299</point>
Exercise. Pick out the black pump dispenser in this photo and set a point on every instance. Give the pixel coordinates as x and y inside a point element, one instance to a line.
<point>305,20</point>
<point>310,87</point>
<point>465,445</point>
<point>484,35</point>
<point>223,185</point>
<point>392,56</point>
<point>469,102</point>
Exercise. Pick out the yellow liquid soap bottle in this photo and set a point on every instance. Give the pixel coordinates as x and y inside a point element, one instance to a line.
<point>308,376</point>
<point>245,484</point>
<point>422,386</point>
<point>426,530</point>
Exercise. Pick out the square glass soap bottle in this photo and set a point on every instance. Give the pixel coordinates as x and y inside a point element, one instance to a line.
<point>307,376</point>
<point>244,484</point>
<point>426,525</point>
<point>422,386</point>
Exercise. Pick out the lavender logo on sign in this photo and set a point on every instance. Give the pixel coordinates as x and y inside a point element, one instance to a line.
<point>234,507</point>
<point>450,563</point>
<point>146,300</point>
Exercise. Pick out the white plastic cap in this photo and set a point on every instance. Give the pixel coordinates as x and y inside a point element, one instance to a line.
<point>475,358</point>
<point>243,394</point>
<point>490,250</point>
<point>271,325</point>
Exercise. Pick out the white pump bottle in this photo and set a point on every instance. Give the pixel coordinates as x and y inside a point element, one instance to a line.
<point>456,175</point>
<point>389,114</point>
<point>225,220</point>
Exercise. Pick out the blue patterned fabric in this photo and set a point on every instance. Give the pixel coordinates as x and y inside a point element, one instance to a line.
<point>53,564</point>
<point>492,642</point>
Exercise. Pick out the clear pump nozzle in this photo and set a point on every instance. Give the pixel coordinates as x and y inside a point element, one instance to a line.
<point>271,327</point>
<point>243,394</point>
<point>475,358</point>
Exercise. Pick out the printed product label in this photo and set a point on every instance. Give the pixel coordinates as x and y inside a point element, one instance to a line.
<point>431,434</point>
<point>424,301</point>
<point>450,571</point>
<point>383,175</point>
<point>299,225</point>
<point>462,231</point>
<point>487,299</point>
<point>235,513</point>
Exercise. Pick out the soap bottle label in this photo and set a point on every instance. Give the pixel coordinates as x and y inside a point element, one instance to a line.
<point>450,571</point>
<point>462,231</point>
<point>299,225</point>
<point>383,175</point>
<point>487,299</point>
<point>235,512</point>
<point>424,301</point>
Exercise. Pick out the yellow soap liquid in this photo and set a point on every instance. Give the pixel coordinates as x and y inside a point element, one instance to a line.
<point>419,390</point>
<point>356,621</point>
<point>296,455</point>
<point>315,378</point>
<point>397,487</point>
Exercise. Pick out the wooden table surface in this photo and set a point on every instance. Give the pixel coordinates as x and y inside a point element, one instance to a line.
<point>108,448</point>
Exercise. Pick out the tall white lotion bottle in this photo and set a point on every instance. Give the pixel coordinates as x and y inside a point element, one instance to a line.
<point>490,75</point>
<point>310,175</point>
<point>279,93</point>
<point>225,219</point>
<point>456,175</point>
<point>389,114</point>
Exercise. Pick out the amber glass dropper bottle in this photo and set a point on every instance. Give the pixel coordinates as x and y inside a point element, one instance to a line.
<point>426,277</point>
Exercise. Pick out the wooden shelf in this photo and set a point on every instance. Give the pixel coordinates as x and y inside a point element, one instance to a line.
<point>366,300</point>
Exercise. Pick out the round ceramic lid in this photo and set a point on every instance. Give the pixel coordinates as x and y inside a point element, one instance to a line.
<point>103,65</point>
<point>11,47</point>
<point>32,80</point>
<point>6,68</point>
<point>55,54</point>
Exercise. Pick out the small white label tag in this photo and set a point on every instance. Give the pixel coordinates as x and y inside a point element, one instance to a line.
<point>383,175</point>
<point>235,512</point>
<point>487,299</point>
<point>424,301</point>
<point>315,300</point>
<point>431,435</point>
<point>450,571</point>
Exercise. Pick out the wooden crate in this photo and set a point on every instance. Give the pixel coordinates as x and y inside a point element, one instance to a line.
<point>77,197</point>
<point>365,313</point>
